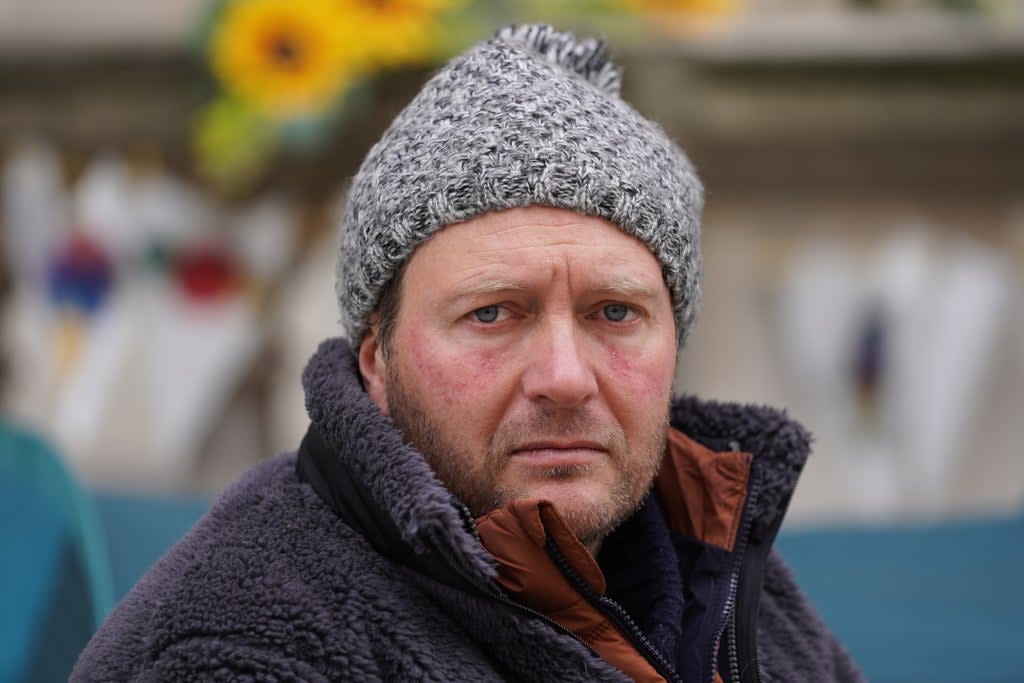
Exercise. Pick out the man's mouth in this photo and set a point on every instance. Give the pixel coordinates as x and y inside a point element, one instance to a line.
<point>558,454</point>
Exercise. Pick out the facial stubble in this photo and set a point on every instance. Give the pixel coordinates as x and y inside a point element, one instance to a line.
<point>473,477</point>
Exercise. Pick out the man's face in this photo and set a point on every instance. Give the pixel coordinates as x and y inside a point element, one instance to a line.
<point>532,357</point>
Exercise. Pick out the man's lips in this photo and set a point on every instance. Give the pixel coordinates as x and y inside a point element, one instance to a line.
<point>558,454</point>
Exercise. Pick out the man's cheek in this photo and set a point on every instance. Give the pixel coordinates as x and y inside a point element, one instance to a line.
<point>452,375</point>
<point>470,376</point>
<point>640,376</point>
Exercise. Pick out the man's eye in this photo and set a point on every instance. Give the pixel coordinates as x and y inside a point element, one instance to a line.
<point>617,313</point>
<point>487,314</point>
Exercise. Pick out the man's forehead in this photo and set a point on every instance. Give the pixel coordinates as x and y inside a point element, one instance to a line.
<point>503,232</point>
<point>507,250</point>
<point>532,226</point>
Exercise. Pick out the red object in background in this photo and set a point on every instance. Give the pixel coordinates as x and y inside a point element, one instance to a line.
<point>206,272</point>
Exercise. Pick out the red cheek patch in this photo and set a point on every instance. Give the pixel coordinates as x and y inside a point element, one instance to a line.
<point>443,382</point>
<point>625,370</point>
<point>477,369</point>
<point>483,365</point>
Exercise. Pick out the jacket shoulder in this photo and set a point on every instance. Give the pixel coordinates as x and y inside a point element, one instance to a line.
<point>258,583</point>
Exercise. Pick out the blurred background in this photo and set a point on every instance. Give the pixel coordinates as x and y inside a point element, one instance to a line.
<point>170,178</point>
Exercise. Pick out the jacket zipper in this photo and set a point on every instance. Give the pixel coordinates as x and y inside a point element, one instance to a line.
<point>741,640</point>
<point>616,613</point>
<point>495,594</point>
<point>727,626</point>
<point>744,625</point>
<point>730,642</point>
<point>487,592</point>
<point>747,650</point>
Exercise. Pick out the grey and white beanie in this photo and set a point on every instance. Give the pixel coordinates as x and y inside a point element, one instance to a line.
<point>530,117</point>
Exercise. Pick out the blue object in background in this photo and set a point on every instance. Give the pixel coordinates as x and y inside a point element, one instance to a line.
<point>139,529</point>
<point>55,578</point>
<point>942,603</point>
<point>67,556</point>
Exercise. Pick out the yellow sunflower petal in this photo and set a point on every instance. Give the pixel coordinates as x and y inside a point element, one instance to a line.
<point>287,57</point>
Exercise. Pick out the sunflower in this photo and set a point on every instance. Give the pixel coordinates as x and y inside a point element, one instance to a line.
<point>287,57</point>
<point>396,32</point>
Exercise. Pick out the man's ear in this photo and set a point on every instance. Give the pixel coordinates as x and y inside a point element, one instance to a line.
<point>373,368</point>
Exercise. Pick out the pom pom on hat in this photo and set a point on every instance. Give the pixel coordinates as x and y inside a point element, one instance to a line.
<point>586,57</point>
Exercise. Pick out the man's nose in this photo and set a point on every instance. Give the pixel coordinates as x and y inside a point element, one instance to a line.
<point>559,371</point>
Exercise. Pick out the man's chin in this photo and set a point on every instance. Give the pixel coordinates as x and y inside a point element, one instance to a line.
<point>591,512</point>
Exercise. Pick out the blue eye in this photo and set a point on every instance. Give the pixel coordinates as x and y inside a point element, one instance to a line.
<point>616,312</point>
<point>487,314</point>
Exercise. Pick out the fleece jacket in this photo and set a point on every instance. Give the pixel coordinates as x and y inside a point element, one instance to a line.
<point>274,584</point>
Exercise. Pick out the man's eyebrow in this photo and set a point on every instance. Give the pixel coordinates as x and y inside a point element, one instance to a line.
<point>488,286</point>
<point>628,288</point>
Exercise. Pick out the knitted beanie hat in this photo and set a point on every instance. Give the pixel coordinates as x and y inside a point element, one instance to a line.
<point>529,117</point>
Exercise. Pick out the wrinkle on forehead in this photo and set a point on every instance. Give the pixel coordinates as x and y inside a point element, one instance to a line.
<point>558,227</point>
<point>528,236</point>
<point>521,250</point>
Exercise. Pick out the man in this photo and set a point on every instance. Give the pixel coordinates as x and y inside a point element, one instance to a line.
<point>491,488</point>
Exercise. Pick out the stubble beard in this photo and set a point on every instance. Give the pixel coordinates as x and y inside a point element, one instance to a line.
<point>473,478</point>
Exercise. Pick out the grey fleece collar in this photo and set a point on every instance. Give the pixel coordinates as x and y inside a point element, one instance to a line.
<point>396,475</point>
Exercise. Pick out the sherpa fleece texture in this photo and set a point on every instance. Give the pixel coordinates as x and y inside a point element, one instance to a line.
<point>530,117</point>
<point>271,586</point>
